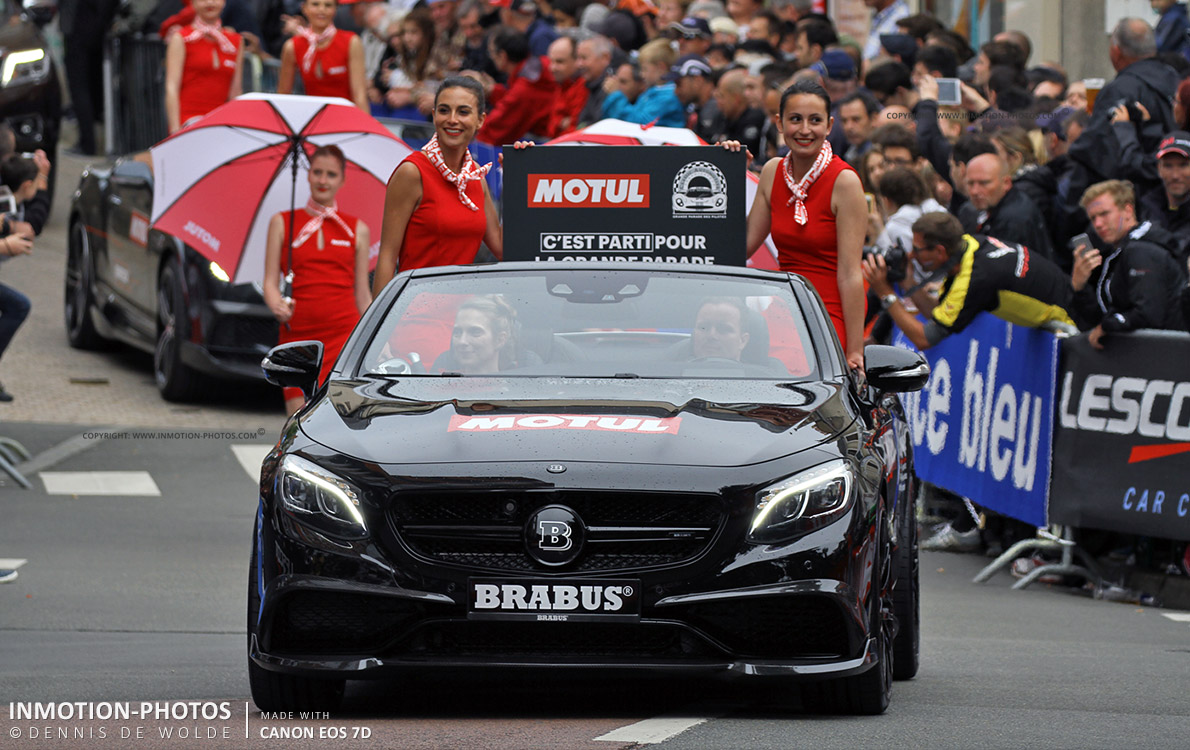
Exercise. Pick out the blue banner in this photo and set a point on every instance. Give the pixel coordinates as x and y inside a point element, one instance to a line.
<point>983,426</point>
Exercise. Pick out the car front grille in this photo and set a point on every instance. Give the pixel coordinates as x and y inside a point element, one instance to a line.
<point>773,626</point>
<point>244,334</point>
<point>542,641</point>
<point>332,622</point>
<point>626,531</point>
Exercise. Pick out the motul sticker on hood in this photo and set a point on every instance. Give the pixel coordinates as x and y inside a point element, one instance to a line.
<point>642,425</point>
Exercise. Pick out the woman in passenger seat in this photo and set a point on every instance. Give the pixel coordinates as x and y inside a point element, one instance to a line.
<point>483,339</point>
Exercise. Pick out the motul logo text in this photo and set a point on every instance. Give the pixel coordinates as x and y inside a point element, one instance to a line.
<point>589,191</point>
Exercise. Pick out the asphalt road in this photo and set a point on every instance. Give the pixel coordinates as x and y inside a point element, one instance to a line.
<point>139,595</point>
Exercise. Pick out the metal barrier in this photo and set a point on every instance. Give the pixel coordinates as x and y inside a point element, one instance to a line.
<point>134,90</point>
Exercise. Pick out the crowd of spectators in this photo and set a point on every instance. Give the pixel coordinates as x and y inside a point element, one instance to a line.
<point>1027,156</point>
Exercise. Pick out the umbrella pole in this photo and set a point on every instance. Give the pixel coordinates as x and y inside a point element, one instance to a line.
<point>287,280</point>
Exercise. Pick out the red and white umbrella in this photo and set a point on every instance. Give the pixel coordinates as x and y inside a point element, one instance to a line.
<point>612,132</point>
<point>219,181</point>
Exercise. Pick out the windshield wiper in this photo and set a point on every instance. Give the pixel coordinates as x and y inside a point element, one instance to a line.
<point>626,375</point>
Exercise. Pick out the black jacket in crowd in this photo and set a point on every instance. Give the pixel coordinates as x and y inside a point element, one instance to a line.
<point>1137,286</point>
<point>1016,219</point>
<point>1097,151</point>
<point>592,111</point>
<point>1154,207</point>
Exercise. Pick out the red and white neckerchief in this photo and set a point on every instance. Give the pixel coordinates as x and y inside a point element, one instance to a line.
<point>321,214</point>
<point>200,28</point>
<point>314,40</point>
<point>470,171</point>
<point>802,187</point>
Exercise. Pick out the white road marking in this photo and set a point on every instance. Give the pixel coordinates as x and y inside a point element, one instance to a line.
<point>250,456</point>
<point>659,728</point>
<point>11,563</point>
<point>100,483</point>
<point>1178,616</point>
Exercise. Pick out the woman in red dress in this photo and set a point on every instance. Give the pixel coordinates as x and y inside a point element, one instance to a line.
<point>812,203</point>
<point>203,66</point>
<point>438,208</point>
<point>329,261</point>
<point>330,61</point>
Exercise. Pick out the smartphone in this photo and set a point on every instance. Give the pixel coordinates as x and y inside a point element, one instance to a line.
<point>950,93</point>
<point>1083,240</point>
<point>871,199</point>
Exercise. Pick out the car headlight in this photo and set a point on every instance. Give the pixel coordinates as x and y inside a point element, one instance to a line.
<point>24,66</point>
<point>320,498</point>
<point>802,503</point>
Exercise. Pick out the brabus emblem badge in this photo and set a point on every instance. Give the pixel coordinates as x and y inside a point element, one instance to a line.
<point>555,468</point>
<point>554,535</point>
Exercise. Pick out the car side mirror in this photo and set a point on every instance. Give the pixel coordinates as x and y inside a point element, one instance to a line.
<point>294,365</point>
<point>895,370</point>
<point>40,12</point>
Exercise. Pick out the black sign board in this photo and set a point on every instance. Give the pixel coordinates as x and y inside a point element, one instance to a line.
<point>680,204</point>
<point>1122,438</point>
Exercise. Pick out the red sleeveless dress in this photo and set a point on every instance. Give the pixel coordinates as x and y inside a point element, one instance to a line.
<point>324,307</point>
<point>811,249</point>
<point>330,74</point>
<point>207,74</point>
<point>442,231</point>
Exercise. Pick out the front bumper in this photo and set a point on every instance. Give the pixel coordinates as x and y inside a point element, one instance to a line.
<point>360,610</point>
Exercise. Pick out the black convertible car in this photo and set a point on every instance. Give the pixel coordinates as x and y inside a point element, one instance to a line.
<point>582,466</point>
<point>126,282</point>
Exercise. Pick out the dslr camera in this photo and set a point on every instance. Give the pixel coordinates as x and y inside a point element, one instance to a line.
<point>896,259</point>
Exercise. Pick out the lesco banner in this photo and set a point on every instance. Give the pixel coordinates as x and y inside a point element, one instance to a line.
<point>982,426</point>
<point>640,203</point>
<point>1122,444</point>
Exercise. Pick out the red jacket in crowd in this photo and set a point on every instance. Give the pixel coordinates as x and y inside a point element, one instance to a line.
<point>524,106</point>
<point>571,98</point>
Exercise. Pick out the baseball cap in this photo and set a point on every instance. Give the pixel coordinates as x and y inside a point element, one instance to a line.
<point>524,6</point>
<point>724,25</point>
<point>902,45</point>
<point>1051,122</point>
<point>691,27</point>
<point>689,65</point>
<point>1177,142</point>
<point>836,65</point>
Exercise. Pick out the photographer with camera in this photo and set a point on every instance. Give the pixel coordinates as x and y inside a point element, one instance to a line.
<point>27,177</point>
<point>15,239</point>
<point>983,274</point>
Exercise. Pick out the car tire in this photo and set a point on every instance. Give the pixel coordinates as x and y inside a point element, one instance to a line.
<point>175,380</point>
<point>907,592</point>
<point>277,691</point>
<point>866,693</point>
<point>78,299</point>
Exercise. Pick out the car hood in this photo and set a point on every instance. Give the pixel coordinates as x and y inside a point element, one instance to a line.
<point>431,420</point>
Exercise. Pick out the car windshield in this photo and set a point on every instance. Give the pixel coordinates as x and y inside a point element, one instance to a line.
<point>593,323</point>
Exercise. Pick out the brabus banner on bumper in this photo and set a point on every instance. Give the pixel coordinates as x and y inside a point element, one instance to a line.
<point>982,427</point>
<point>1122,443</point>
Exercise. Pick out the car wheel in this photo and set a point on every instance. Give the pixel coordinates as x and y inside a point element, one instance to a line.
<point>866,693</point>
<point>276,691</point>
<point>78,301</point>
<point>175,380</point>
<point>907,593</point>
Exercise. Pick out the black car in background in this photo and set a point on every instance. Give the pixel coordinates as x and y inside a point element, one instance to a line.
<point>605,477</point>
<point>30,94</point>
<point>129,283</point>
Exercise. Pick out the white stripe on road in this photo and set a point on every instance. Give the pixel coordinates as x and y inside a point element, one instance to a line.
<point>658,729</point>
<point>251,456</point>
<point>11,563</point>
<point>100,483</point>
<point>1178,616</point>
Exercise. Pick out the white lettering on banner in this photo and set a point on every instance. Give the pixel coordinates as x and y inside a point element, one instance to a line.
<point>1127,406</point>
<point>589,191</point>
<point>206,237</point>
<point>999,429</point>
<point>511,596</point>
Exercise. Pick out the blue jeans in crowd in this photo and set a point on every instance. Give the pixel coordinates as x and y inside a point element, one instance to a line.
<point>14,308</point>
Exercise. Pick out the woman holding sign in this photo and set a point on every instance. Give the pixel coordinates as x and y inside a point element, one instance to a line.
<point>812,202</point>
<point>438,208</point>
